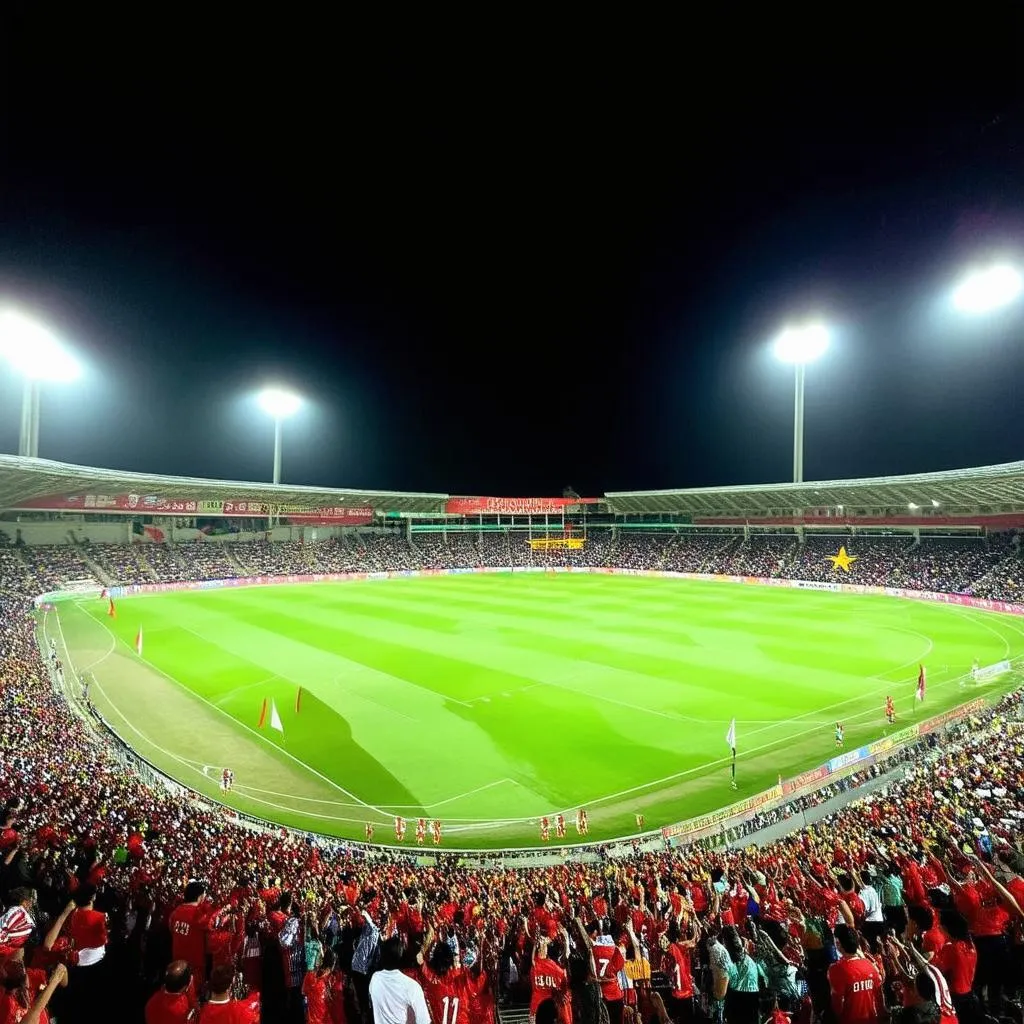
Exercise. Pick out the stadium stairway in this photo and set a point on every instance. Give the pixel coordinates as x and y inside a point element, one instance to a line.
<point>516,1014</point>
<point>98,571</point>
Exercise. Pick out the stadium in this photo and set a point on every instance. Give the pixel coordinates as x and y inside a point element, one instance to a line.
<point>364,665</point>
<point>396,730</point>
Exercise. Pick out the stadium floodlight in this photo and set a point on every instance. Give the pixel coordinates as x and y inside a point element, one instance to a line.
<point>988,288</point>
<point>800,346</point>
<point>280,404</point>
<point>935,504</point>
<point>912,506</point>
<point>35,354</point>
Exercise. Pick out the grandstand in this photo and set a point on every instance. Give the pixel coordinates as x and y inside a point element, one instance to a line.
<point>926,824</point>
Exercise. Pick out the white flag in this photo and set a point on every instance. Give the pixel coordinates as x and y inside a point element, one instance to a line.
<point>138,642</point>
<point>275,718</point>
<point>730,736</point>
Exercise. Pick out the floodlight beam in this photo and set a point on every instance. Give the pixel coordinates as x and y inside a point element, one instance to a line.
<point>987,289</point>
<point>277,450</point>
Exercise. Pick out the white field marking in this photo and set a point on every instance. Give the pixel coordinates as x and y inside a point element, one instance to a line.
<point>976,622</point>
<point>241,689</point>
<point>497,823</point>
<point>470,792</point>
<point>249,729</point>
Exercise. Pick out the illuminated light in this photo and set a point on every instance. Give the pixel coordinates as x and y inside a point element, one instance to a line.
<point>987,289</point>
<point>279,403</point>
<point>801,344</point>
<point>33,351</point>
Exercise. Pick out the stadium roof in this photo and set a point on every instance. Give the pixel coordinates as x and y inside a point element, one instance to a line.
<point>988,488</point>
<point>23,480</point>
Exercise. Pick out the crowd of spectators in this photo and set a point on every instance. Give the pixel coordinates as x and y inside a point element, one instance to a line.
<point>125,901</point>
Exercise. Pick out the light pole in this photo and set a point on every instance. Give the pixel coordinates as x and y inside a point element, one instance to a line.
<point>986,289</point>
<point>800,346</point>
<point>37,355</point>
<point>280,405</point>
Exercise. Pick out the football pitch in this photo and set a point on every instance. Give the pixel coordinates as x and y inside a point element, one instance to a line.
<point>487,701</point>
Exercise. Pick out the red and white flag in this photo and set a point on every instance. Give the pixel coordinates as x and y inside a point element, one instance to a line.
<point>138,642</point>
<point>920,683</point>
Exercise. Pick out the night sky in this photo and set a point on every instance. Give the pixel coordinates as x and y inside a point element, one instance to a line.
<point>503,258</point>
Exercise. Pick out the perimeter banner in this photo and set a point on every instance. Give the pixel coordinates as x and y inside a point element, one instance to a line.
<point>155,504</point>
<point>512,506</point>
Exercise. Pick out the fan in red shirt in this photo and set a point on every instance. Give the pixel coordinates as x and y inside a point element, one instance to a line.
<point>957,959</point>
<point>21,990</point>
<point>222,1009</point>
<point>677,968</point>
<point>547,978</point>
<point>444,986</point>
<point>87,927</point>
<point>316,987</point>
<point>608,961</point>
<point>855,983</point>
<point>176,1002</point>
<point>189,924</point>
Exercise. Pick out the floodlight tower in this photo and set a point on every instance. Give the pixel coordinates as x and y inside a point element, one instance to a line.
<point>35,354</point>
<point>800,346</point>
<point>280,404</point>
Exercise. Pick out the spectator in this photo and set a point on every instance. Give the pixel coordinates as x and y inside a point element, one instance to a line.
<point>176,1002</point>
<point>395,997</point>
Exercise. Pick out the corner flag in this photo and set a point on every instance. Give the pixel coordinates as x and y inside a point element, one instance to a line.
<point>111,610</point>
<point>275,718</point>
<point>138,642</point>
<point>920,683</point>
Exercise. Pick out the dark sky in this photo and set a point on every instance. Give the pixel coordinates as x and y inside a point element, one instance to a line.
<point>501,257</point>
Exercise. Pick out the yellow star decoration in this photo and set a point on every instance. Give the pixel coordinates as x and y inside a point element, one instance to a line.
<point>842,560</point>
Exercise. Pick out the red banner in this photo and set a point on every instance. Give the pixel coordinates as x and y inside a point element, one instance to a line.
<point>154,504</point>
<point>513,506</point>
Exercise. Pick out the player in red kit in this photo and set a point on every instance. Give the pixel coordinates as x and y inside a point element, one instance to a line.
<point>855,983</point>
<point>890,710</point>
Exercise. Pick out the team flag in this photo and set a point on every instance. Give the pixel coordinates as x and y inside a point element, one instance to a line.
<point>560,826</point>
<point>581,822</point>
<point>275,718</point>
<point>263,714</point>
<point>298,699</point>
<point>111,610</point>
<point>138,642</point>
<point>920,683</point>
<point>730,736</point>
<point>400,829</point>
<point>436,828</point>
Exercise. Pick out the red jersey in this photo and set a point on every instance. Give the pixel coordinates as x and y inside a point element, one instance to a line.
<point>934,939</point>
<point>231,1012</point>
<point>188,925</point>
<point>87,929</point>
<point>676,966</point>
<point>979,903</point>
<point>171,1007</point>
<point>547,978</point>
<point>856,991</point>
<point>481,998</point>
<point>608,961</point>
<point>446,995</point>
<point>958,961</point>
<point>11,1010</point>
<point>316,989</point>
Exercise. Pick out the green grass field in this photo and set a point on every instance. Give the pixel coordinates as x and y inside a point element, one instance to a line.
<point>489,700</point>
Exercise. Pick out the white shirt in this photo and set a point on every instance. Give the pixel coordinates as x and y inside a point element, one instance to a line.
<point>872,904</point>
<point>397,999</point>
